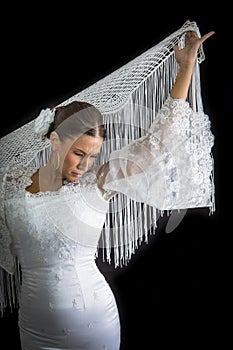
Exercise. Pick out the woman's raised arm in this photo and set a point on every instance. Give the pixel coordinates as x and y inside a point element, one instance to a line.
<point>186,58</point>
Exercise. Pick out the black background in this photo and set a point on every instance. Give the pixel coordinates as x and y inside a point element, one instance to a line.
<point>170,294</point>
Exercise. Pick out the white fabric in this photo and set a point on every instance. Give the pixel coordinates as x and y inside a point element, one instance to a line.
<point>157,157</point>
<point>155,66</point>
<point>129,99</point>
<point>65,302</point>
<point>171,167</point>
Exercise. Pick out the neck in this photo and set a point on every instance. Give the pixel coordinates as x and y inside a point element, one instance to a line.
<point>49,179</point>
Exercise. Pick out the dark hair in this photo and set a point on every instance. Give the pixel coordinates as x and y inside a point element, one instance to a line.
<point>77,118</point>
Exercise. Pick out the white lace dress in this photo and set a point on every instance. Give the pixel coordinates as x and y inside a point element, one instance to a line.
<point>65,302</point>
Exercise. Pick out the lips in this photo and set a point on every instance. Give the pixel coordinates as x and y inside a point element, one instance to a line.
<point>76,175</point>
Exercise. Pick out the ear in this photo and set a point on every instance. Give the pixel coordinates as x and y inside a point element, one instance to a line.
<point>55,141</point>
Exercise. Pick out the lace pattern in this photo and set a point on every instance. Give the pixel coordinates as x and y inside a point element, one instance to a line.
<point>169,168</point>
<point>173,165</point>
<point>14,180</point>
<point>6,256</point>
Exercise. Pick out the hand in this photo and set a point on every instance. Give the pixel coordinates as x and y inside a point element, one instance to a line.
<point>186,58</point>
<point>187,55</point>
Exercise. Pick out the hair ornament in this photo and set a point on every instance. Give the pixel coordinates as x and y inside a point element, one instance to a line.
<point>43,121</point>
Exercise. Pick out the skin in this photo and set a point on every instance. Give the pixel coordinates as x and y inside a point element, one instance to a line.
<point>186,58</point>
<point>77,157</point>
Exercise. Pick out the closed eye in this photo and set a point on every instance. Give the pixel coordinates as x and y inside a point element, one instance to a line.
<point>94,156</point>
<point>79,154</point>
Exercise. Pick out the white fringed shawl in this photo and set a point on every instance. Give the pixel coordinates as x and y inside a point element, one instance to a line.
<point>129,100</point>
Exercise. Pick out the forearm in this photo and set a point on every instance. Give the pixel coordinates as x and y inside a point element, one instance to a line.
<point>182,82</point>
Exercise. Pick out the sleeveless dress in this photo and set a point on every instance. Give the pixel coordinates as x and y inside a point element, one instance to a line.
<point>65,301</point>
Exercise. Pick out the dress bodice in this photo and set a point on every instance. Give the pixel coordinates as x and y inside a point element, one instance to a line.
<point>58,224</point>
<point>55,235</point>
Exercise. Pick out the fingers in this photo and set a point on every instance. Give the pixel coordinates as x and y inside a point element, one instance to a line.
<point>206,36</point>
<point>176,48</point>
<point>192,39</point>
<point>190,34</point>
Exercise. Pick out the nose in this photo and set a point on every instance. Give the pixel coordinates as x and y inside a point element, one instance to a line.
<point>84,164</point>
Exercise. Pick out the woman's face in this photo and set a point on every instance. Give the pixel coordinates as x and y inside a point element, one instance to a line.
<point>78,157</point>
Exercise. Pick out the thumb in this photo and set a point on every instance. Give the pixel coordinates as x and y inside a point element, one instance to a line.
<point>206,36</point>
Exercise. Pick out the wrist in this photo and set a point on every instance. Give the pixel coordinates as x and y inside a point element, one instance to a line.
<point>186,67</point>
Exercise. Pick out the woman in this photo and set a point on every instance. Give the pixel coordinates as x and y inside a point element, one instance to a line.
<point>54,216</point>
